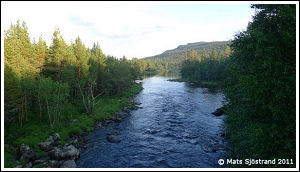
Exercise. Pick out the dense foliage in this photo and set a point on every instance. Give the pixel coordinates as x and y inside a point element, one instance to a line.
<point>40,81</point>
<point>261,87</point>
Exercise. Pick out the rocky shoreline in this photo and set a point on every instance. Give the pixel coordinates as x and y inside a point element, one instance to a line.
<point>65,156</point>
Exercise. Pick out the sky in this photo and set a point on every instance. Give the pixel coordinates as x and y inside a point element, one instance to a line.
<point>130,29</point>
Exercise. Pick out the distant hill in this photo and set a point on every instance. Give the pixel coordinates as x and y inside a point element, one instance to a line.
<point>178,53</point>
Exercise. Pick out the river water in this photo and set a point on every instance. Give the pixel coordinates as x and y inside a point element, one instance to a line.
<point>174,128</point>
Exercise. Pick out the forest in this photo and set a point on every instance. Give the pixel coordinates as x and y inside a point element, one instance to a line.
<point>46,86</point>
<point>207,68</point>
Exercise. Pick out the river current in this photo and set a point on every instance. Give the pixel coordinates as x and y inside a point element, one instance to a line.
<point>174,128</point>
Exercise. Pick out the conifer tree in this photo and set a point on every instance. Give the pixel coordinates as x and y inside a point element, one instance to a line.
<point>204,54</point>
<point>214,54</point>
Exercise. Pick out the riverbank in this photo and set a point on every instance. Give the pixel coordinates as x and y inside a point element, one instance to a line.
<point>71,129</point>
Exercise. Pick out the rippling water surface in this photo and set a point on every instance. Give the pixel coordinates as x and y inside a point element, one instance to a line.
<point>174,128</point>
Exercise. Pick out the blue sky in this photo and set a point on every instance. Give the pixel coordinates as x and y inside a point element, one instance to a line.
<point>133,29</point>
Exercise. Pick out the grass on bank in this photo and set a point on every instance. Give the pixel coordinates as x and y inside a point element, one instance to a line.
<point>34,132</point>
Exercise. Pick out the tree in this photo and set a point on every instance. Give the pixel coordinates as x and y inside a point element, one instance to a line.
<point>82,59</point>
<point>261,89</point>
<point>41,51</point>
<point>57,57</point>
<point>227,51</point>
<point>214,54</point>
<point>192,56</point>
<point>204,54</point>
<point>18,51</point>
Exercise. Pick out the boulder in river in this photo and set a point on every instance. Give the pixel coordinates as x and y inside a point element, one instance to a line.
<point>113,139</point>
<point>218,112</point>
<point>112,133</point>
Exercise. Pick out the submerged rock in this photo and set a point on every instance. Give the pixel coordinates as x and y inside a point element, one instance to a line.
<point>218,112</point>
<point>113,139</point>
<point>112,133</point>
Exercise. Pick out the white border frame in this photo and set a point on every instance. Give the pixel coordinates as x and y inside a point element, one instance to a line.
<point>3,3</point>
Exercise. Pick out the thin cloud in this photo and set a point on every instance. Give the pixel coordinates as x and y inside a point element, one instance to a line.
<point>77,20</point>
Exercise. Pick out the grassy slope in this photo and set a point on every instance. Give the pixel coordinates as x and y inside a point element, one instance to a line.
<point>32,133</point>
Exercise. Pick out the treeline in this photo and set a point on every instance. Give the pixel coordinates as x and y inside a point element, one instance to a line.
<point>46,82</point>
<point>164,64</point>
<point>207,67</point>
<point>173,59</point>
<point>261,86</point>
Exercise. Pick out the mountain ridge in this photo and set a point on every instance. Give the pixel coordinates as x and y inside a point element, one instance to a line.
<point>179,51</point>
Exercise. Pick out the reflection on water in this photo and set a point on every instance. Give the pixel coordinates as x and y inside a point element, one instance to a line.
<point>168,73</point>
<point>174,128</point>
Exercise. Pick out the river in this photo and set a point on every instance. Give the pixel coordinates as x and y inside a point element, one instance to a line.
<point>174,128</point>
